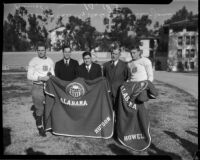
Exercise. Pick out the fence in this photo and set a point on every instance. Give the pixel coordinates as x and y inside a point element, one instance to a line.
<point>20,60</point>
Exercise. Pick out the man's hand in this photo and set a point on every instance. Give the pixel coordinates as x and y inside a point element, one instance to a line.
<point>45,78</point>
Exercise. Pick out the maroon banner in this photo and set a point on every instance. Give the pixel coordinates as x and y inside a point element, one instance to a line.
<point>132,119</point>
<point>80,108</point>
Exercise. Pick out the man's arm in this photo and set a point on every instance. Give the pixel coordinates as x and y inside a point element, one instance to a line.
<point>149,70</point>
<point>99,71</point>
<point>127,73</point>
<point>76,69</point>
<point>56,70</point>
<point>104,70</point>
<point>31,74</point>
<point>52,68</point>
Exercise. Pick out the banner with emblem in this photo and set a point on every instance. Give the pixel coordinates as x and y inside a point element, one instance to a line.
<point>80,108</point>
<point>132,118</point>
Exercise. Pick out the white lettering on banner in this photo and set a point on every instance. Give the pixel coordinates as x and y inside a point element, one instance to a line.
<point>127,98</point>
<point>103,124</point>
<point>133,137</point>
<point>74,103</point>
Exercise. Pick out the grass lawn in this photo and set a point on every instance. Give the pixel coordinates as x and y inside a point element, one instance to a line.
<point>173,119</point>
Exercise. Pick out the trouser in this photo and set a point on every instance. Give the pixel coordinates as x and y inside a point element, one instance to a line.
<point>38,99</point>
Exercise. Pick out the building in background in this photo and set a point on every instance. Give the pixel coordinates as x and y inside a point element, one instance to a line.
<point>183,45</point>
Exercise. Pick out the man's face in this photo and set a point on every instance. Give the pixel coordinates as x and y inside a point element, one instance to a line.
<point>87,60</point>
<point>67,53</point>
<point>115,54</point>
<point>41,51</point>
<point>135,54</point>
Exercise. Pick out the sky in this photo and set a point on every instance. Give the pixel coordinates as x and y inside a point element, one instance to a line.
<point>97,12</point>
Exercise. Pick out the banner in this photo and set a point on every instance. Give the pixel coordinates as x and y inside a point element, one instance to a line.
<point>132,118</point>
<point>79,108</point>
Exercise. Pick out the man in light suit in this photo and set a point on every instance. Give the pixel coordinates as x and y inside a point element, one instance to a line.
<point>89,70</point>
<point>67,68</point>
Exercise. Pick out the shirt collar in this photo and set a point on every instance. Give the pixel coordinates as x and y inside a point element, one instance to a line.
<point>65,61</point>
<point>115,62</point>
<point>89,66</point>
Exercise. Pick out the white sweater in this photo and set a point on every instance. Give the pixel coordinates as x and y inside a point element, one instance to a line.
<point>141,70</point>
<point>40,67</point>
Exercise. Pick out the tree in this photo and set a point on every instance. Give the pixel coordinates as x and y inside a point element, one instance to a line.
<point>79,33</point>
<point>37,27</point>
<point>125,27</point>
<point>180,15</point>
<point>19,37</point>
<point>15,36</point>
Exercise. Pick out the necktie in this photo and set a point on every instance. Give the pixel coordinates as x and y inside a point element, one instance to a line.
<point>88,69</point>
<point>67,63</point>
<point>112,64</point>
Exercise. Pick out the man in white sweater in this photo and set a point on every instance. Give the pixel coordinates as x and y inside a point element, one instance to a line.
<point>39,70</point>
<point>140,67</point>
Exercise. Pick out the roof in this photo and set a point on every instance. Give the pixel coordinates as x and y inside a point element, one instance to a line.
<point>183,23</point>
<point>148,37</point>
<point>60,27</point>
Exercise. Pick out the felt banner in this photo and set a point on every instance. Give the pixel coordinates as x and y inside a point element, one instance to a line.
<point>79,108</point>
<point>132,117</point>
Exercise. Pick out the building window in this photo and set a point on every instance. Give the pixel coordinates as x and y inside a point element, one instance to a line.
<point>192,53</point>
<point>187,40</point>
<point>187,53</point>
<point>192,65</point>
<point>180,41</point>
<point>193,40</point>
<point>186,65</point>
<point>179,53</point>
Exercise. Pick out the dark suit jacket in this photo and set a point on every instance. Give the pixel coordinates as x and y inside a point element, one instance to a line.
<point>95,71</point>
<point>64,72</point>
<point>116,75</point>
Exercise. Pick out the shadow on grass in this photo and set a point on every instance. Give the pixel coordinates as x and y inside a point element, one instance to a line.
<point>13,87</point>
<point>189,146</point>
<point>192,133</point>
<point>30,151</point>
<point>34,111</point>
<point>161,152</point>
<point>118,151</point>
<point>6,138</point>
<point>14,94</point>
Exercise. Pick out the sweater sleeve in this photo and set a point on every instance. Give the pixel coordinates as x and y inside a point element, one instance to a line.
<point>31,75</point>
<point>149,70</point>
<point>52,67</point>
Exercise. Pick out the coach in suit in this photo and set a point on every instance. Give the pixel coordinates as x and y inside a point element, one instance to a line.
<point>67,68</point>
<point>89,70</point>
<point>116,72</point>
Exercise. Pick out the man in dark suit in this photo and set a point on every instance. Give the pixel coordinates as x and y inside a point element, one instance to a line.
<point>89,70</point>
<point>116,72</point>
<point>67,68</point>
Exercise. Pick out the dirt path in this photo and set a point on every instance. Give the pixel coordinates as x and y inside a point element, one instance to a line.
<point>173,129</point>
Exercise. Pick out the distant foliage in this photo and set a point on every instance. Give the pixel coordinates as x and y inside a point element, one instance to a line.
<point>126,28</point>
<point>23,30</point>
<point>180,15</point>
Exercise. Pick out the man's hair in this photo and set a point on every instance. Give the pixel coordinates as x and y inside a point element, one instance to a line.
<point>136,47</point>
<point>66,46</point>
<point>86,53</point>
<point>115,46</point>
<point>41,43</point>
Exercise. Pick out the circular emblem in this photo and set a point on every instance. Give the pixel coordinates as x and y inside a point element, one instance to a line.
<point>75,89</point>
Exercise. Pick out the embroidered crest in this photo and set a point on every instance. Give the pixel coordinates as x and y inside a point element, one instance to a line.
<point>75,89</point>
